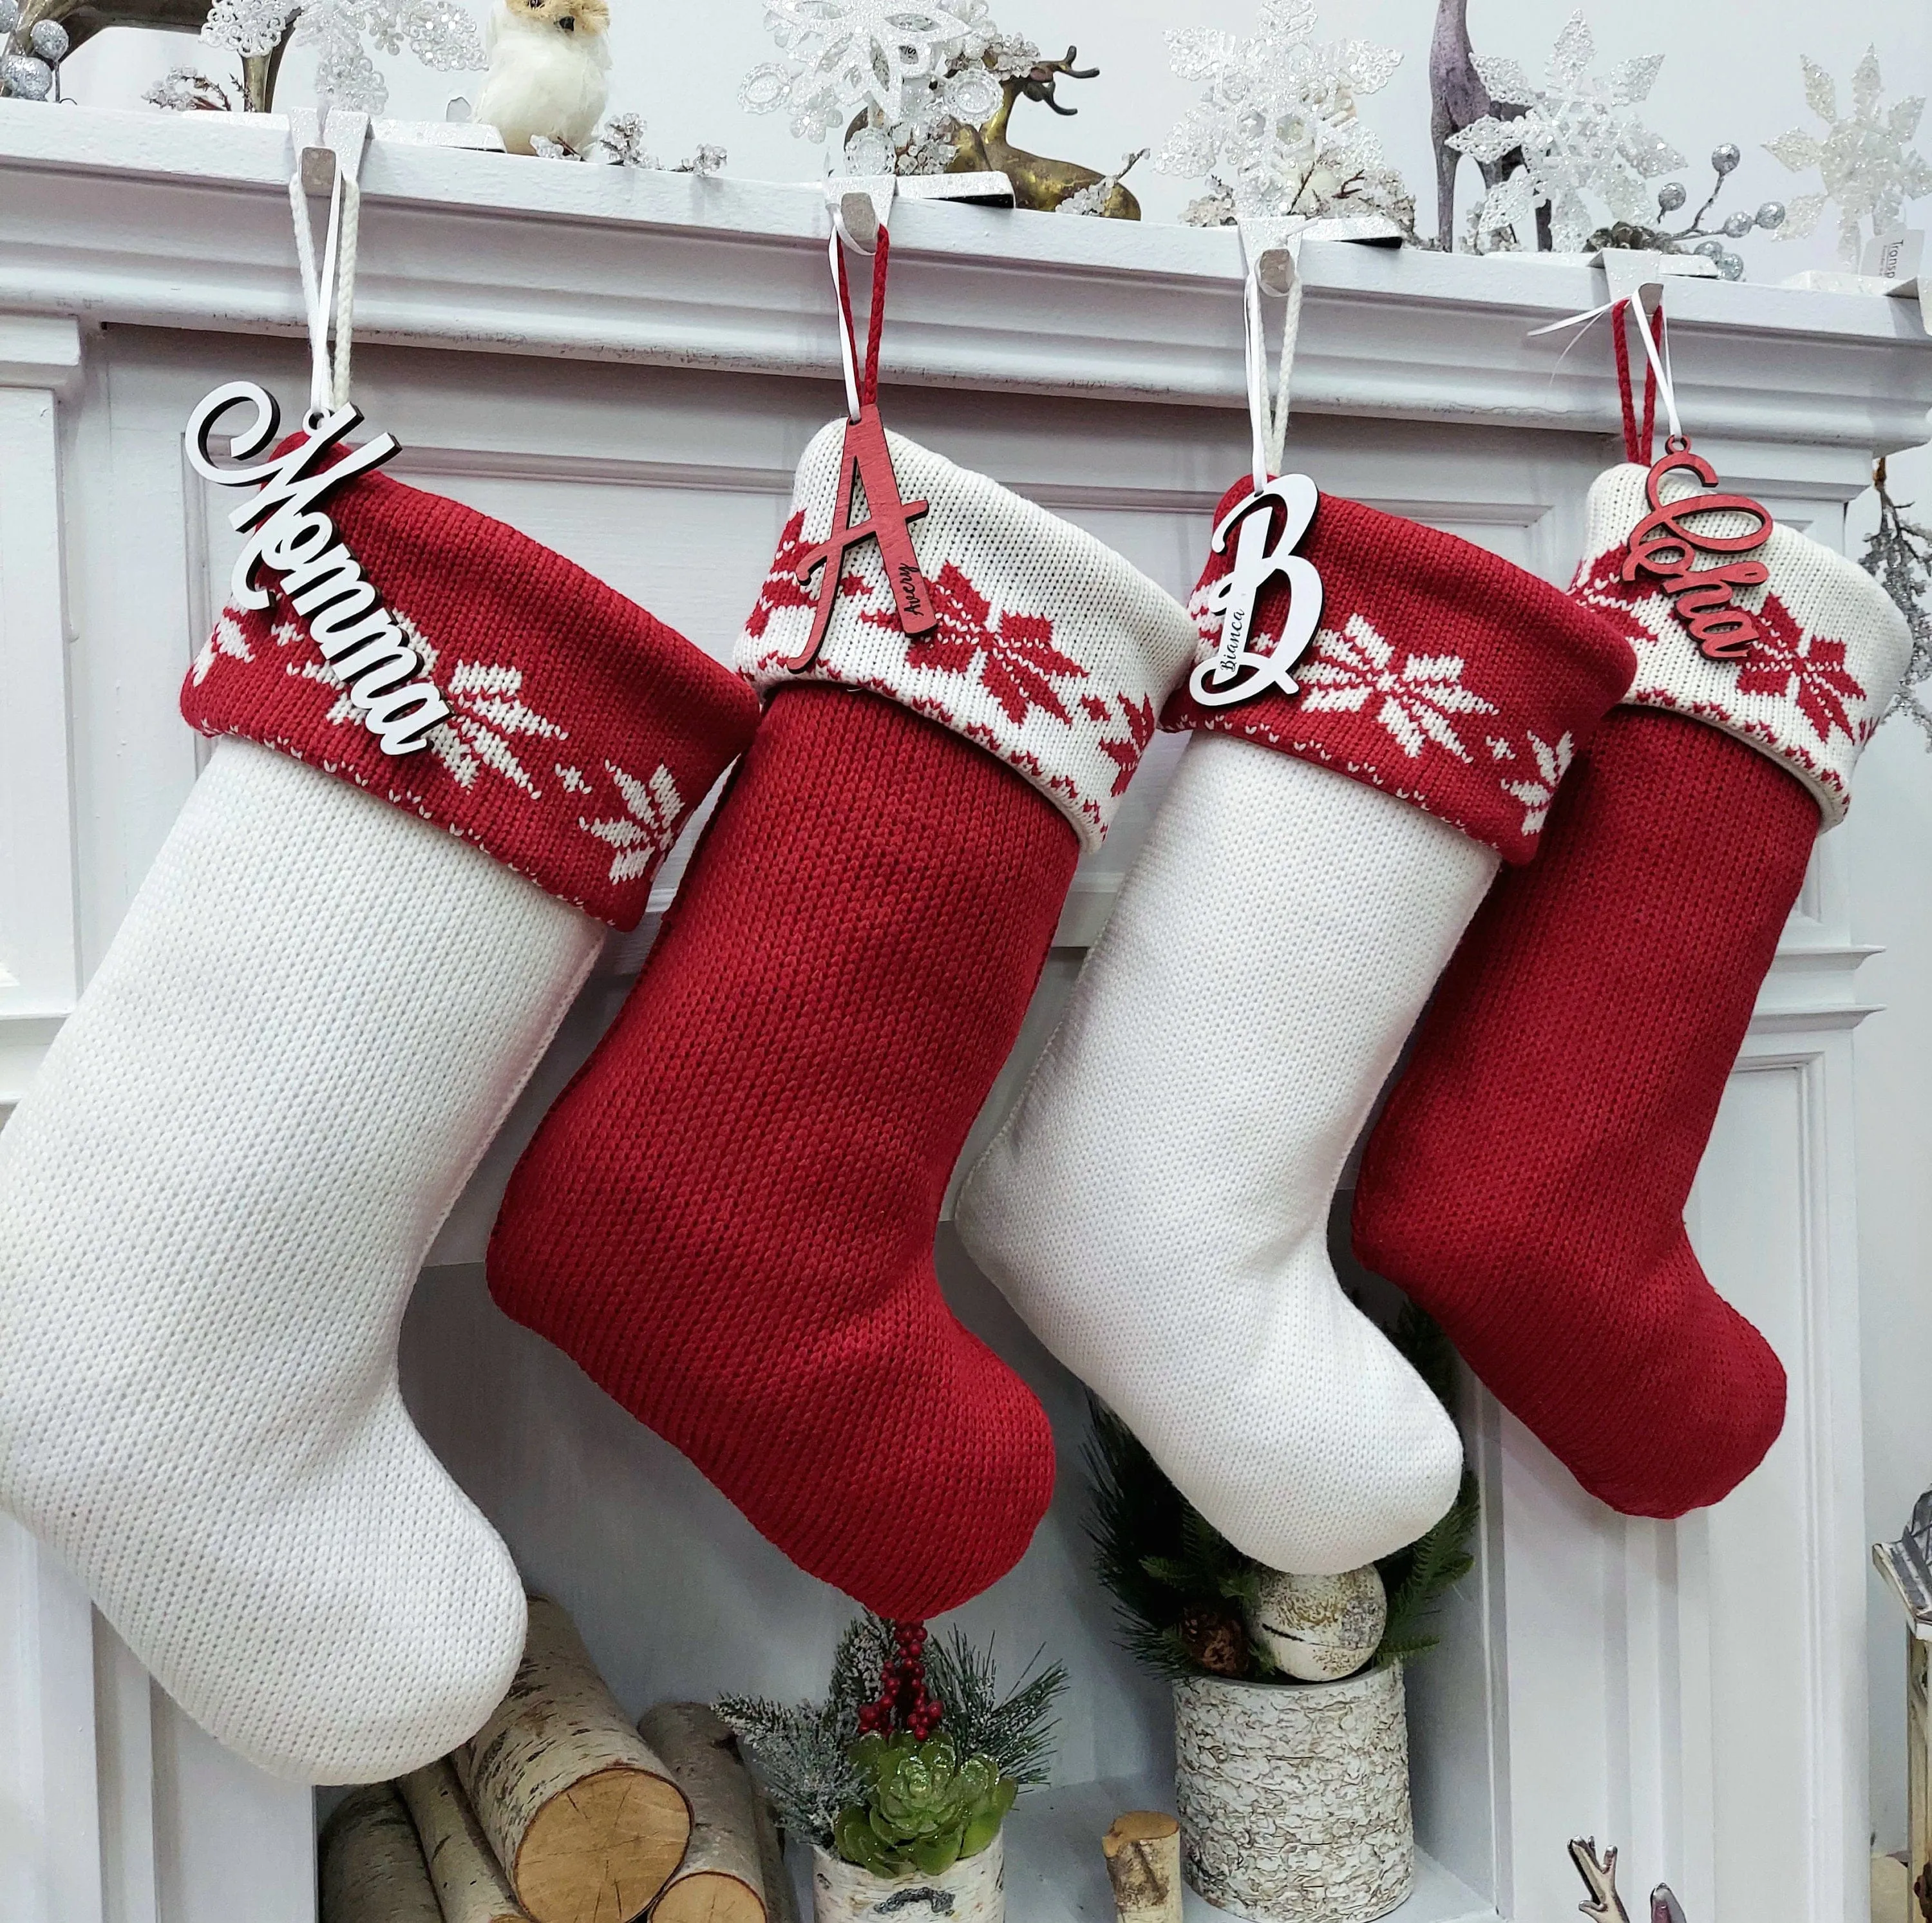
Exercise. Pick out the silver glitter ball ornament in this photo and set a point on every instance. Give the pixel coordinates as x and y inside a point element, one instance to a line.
<point>1731,266</point>
<point>1770,214</point>
<point>1712,249</point>
<point>10,16</point>
<point>1736,226</point>
<point>1670,196</point>
<point>25,78</point>
<point>1725,158</point>
<point>49,40</point>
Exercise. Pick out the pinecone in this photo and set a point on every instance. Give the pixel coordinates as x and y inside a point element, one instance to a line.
<point>1215,1639</point>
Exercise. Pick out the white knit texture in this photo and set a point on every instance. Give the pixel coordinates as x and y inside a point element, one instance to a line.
<point>1809,692</point>
<point>1157,1206</point>
<point>1052,651</point>
<point>214,1201</point>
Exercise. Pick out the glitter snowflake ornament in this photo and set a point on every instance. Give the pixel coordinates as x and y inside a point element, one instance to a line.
<point>843,58</point>
<point>1276,130</point>
<point>1865,160</point>
<point>1579,138</point>
<point>897,85</point>
<point>439,33</point>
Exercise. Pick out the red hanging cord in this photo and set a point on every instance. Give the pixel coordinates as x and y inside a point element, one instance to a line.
<point>875,321</point>
<point>868,391</point>
<point>1636,448</point>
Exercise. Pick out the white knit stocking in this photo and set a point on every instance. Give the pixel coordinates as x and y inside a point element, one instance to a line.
<point>213,1204</point>
<point>1156,1207</point>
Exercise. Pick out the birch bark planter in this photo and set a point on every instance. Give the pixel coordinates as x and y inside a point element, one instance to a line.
<point>1294,1797</point>
<point>973,1891</point>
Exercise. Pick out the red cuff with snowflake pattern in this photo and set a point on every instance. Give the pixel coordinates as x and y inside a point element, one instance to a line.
<point>1050,651</point>
<point>1440,673</point>
<point>580,730</point>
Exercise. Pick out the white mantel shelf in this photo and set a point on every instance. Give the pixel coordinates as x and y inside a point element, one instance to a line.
<point>182,221</point>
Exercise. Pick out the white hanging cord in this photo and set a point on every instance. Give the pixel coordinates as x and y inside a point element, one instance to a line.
<point>1267,415</point>
<point>1661,366</point>
<point>345,283</point>
<point>328,385</point>
<point>848,359</point>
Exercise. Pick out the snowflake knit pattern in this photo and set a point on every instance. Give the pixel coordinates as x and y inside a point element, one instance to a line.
<point>1809,692</point>
<point>1051,652</point>
<point>583,730</point>
<point>1476,726</point>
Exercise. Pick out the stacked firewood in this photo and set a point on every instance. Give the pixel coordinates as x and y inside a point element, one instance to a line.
<point>559,1810</point>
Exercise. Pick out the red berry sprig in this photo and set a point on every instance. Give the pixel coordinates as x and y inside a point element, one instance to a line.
<point>904,1701</point>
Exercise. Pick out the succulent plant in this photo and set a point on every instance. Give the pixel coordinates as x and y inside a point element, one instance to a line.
<point>924,1806</point>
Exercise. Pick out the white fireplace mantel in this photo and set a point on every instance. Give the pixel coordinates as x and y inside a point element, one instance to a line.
<point>627,364</point>
<point>106,211</point>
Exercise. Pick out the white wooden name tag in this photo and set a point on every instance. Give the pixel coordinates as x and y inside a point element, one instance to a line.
<point>291,536</point>
<point>1234,672</point>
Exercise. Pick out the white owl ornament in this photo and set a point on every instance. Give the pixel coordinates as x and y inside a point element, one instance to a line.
<point>549,67</point>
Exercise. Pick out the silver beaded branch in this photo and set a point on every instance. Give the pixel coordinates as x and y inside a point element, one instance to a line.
<point>1694,237</point>
<point>30,62</point>
<point>1898,557</point>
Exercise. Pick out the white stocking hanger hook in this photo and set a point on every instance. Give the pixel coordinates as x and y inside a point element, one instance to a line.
<point>328,145</point>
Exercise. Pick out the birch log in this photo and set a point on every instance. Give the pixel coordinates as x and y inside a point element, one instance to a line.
<point>1143,1852</point>
<point>469,1881</point>
<point>720,1879</point>
<point>781,1892</point>
<point>372,1866</point>
<point>585,1820</point>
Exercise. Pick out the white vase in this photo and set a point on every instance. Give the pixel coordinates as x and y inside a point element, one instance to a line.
<point>973,1891</point>
<point>1294,1797</point>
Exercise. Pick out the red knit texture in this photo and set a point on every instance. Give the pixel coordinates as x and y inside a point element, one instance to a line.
<point>728,1218</point>
<point>1526,1183</point>
<point>584,730</point>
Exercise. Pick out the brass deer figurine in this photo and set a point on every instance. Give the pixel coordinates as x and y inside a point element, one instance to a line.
<point>1038,182</point>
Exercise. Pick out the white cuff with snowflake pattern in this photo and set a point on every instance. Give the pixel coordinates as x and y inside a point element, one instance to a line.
<point>1050,652</point>
<point>1808,691</point>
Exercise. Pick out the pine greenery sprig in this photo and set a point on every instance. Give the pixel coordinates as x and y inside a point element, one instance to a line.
<point>1898,557</point>
<point>1015,1732</point>
<point>801,1752</point>
<point>1418,1577</point>
<point>1179,1586</point>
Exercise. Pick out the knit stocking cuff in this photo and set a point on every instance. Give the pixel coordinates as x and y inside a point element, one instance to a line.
<point>1441,673</point>
<point>1050,652</point>
<point>581,730</point>
<point>1808,691</point>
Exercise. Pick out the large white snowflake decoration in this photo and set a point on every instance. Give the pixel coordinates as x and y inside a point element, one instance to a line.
<point>440,33</point>
<point>1276,130</point>
<point>1579,136</point>
<point>1868,167</point>
<point>841,58</point>
<point>895,83</point>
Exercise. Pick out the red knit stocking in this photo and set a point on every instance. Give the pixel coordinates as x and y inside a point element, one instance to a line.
<point>728,1218</point>
<point>1527,1182</point>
